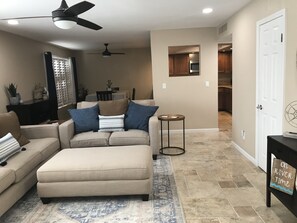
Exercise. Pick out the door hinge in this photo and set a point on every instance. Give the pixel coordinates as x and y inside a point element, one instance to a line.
<point>281,37</point>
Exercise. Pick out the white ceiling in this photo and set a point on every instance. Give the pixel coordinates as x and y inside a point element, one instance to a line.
<point>126,23</point>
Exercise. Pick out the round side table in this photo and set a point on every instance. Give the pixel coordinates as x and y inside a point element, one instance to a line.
<point>177,150</point>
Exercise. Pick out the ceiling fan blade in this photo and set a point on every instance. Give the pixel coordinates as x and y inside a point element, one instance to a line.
<point>118,53</point>
<point>31,17</point>
<point>79,8</point>
<point>88,24</point>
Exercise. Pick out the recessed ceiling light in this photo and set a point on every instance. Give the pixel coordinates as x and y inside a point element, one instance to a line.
<point>207,10</point>
<point>13,22</point>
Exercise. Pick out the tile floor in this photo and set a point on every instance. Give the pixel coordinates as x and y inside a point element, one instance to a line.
<point>216,184</point>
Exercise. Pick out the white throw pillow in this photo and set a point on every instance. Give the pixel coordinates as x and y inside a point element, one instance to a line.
<point>111,123</point>
<point>8,147</point>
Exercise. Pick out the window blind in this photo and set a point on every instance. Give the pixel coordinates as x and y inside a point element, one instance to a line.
<point>64,81</point>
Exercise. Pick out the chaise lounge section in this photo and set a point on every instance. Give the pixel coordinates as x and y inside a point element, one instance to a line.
<point>19,173</point>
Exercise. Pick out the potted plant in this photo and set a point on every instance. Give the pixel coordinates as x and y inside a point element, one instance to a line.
<point>14,97</point>
<point>108,84</point>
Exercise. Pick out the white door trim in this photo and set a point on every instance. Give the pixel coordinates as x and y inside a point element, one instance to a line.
<point>281,13</point>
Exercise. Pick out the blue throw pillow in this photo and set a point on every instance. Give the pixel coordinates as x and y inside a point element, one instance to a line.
<point>137,116</point>
<point>85,119</point>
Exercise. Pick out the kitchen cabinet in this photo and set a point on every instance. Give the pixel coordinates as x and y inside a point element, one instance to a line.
<point>225,62</point>
<point>179,64</point>
<point>225,99</point>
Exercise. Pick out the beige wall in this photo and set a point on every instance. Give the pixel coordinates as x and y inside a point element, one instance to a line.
<point>125,71</point>
<point>187,95</point>
<point>242,26</point>
<point>21,62</point>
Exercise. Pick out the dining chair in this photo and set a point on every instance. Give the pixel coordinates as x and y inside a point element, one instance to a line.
<point>104,95</point>
<point>133,94</point>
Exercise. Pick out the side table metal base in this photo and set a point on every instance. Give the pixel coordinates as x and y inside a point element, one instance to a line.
<point>179,150</point>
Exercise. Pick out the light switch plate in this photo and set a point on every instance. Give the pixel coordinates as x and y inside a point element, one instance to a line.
<point>207,83</point>
<point>164,86</point>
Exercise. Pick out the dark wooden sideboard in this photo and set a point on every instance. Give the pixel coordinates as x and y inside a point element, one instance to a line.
<point>31,112</point>
<point>285,149</point>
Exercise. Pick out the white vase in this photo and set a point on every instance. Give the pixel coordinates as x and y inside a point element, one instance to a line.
<point>14,100</point>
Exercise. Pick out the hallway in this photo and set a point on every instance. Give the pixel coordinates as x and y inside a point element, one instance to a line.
<point>216,184</point>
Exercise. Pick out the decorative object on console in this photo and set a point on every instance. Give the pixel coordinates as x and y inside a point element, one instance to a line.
<point>85,119</point>
<point>38,92</point>
<point>14,97</point>
<point>291,113</point>
<point>108,85</point>
<point>137,116</point>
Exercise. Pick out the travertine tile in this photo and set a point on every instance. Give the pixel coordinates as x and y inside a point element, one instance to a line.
<point>227,184</point>
<point>214,207</point>
<point>214,179</point>
<point>245,211</point>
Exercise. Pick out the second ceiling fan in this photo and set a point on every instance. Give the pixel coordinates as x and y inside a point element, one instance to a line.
<point>107,53</point>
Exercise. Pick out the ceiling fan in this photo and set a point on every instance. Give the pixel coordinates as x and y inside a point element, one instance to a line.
<point>107,53</point>
<point>67,17</point>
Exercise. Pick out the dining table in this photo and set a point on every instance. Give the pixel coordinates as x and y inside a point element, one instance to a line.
<point>115,95</point>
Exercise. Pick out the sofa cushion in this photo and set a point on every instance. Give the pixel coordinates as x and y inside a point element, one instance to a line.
<point>9,122</point>
<point>24,162</point>
<point>130,137</point>
<point>46,146</point>
<point>137,116</point>
<point>86,104</point>
<point>111,123</point>
<point>90,139</point>
<point>8,147</point>
<point>7,177</point>
<point>113,107</point>
<point>85,119</point>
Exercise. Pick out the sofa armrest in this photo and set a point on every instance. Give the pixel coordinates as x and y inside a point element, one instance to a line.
<point>66,132</point>
<point>40,131</point>
<point>154,134</point>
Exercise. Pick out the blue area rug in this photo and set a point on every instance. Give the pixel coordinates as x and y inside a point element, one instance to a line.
<point>163,206</point>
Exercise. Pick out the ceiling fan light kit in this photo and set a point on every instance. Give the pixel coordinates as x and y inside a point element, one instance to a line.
<point>64,23</point>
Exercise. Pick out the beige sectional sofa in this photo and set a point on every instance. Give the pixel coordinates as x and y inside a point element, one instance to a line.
<point>122,138</point>
<point>19,174</point>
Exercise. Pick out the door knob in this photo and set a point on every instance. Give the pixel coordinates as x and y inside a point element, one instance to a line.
<point>259,107</point>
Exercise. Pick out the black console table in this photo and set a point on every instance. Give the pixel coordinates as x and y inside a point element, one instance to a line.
<point>285,149</point>
<point>31,112</point>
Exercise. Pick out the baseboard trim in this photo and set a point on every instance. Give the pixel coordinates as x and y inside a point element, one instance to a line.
<point>244,153</point>
<point>191,130</point>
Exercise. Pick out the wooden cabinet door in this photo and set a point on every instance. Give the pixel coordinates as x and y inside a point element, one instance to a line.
<point>225,62</point>
<point>221,99</point>
<point>171,64</point>
<point>228,96</point>
<point>228,62</point>
<point>181,64</point>
<point>221,62</point>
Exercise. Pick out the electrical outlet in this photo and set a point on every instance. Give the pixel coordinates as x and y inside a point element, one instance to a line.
<point>242,134</point>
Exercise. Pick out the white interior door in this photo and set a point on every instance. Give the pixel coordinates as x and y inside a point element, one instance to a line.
<point>270,75</point>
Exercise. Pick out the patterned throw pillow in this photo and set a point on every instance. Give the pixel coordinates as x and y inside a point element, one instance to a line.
<point>111,123</point>
<point>8,147</point>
